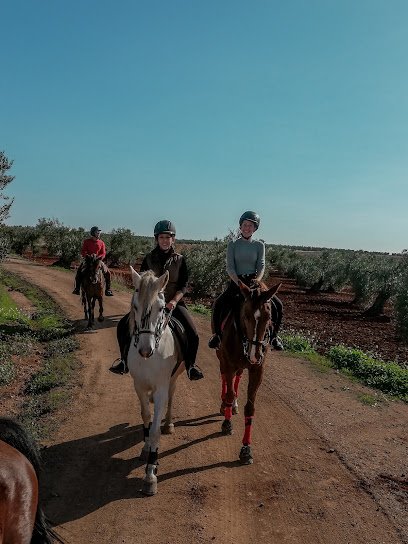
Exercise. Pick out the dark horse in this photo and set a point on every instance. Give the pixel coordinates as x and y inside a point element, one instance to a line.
<point>244,344</point>
<point>92,286</point>
<point>22,520</point>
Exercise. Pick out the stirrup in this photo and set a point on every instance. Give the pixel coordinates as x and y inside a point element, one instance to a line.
<point>194,373</point>
<point>276,343</point>
<point>214,342</point>
<point>108,293</point>
<point>120,368</point>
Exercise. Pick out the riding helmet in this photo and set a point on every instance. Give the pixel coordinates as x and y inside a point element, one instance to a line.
<point>95,230</point>
<point>164,227</point>
<point>250,216</point>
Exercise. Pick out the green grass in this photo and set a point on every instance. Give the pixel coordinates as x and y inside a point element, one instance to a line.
<point>47,336</point>
<point>7,372</point>
<point>200,309</point>
<point>388,377</point>
<point>46,322</point>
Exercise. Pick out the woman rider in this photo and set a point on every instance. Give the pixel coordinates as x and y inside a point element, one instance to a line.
<point>245,262</point>
<point>163,257</point>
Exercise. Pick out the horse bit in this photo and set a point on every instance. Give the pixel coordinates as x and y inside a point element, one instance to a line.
<point>246,345</point>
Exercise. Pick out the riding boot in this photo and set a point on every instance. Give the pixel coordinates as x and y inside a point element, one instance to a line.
<point>217,311</point>
<point>77,289</point>
<point>275,341</point>
<point>108,291</point>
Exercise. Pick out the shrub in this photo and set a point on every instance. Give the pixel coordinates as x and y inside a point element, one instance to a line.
<point>388,377</point>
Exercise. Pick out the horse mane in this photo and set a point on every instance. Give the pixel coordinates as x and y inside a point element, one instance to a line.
<point>257,287</point>
<point>148,289</point>
<point>15,435</point>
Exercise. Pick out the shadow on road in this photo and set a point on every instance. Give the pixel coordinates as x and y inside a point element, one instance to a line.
<point>83,475</point>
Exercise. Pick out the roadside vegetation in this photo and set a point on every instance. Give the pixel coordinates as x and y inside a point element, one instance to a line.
<point>37,353</point>
<point>388,377</point>
<point>374,278</point>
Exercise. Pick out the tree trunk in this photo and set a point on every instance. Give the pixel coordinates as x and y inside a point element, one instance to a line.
<point>377,307</point>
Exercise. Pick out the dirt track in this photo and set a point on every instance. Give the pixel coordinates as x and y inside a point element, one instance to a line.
<point>327,468</point>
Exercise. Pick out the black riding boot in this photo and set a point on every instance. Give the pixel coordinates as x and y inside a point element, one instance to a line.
<point>123,337</point>
<point>77,289</point>
<point>108,291</point>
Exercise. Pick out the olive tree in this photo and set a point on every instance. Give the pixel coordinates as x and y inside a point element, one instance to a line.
<point>5,179</point>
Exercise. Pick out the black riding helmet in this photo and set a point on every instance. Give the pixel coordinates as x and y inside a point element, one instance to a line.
<point>250,216</point>
<point>164,227</point>
<point>95,230</point>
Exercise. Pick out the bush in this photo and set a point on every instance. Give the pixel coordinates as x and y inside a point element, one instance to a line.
<point>206,265</point>
<point>388,377</point>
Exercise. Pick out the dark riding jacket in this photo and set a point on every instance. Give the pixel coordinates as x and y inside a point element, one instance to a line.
<point>159,261</point>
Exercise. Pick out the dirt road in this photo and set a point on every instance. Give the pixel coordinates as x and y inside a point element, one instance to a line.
<point>327,468</point>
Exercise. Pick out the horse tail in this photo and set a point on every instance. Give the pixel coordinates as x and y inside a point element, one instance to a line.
<point>15,435</point>
<point>42,532</point>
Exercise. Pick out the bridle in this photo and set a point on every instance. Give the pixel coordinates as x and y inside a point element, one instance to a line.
<point>262,344</point>
<point>145,329</point>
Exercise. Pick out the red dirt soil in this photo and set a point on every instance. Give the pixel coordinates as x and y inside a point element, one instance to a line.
<point>328,468</point>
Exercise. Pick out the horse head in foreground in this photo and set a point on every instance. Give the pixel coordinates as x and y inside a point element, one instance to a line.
<point>154,362</point>
<point>21,517</point>
<point>92,288</point>
<point>244,345</point>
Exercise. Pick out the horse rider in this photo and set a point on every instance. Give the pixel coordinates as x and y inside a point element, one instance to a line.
<point>164,257</point>
<point>245,262</point>
<point>94,246</point>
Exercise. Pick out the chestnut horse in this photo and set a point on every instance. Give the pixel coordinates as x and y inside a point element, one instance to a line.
<point>22,520</point>
<point>244,345</point>
<point>92,286</point>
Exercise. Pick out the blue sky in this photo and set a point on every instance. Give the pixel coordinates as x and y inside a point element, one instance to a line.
<point>123,113</point>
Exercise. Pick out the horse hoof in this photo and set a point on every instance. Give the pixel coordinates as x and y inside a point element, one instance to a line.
<point>149,488</point>
<point>245,456</point>
<point>101,318</point>
<point>168,429</point>
<point>226,427</point>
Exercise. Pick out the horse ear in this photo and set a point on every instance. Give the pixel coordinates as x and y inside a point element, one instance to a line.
<point>135,278</point>
<point>267,295</point>
<point>245,290</point>
<point>163,280</point>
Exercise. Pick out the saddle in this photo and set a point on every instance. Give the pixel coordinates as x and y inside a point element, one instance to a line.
<point>177,329</point>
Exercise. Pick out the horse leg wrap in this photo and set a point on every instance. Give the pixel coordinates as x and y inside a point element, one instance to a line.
<point>228,410</point>
<point>153,456</point>
<point>248,430</point>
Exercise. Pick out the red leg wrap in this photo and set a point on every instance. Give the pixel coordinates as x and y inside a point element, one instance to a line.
<point>248,430</point>
<point>228,412</point>
<point>236,384</point>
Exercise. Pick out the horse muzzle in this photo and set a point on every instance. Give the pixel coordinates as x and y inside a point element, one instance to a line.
<point>146,353</point>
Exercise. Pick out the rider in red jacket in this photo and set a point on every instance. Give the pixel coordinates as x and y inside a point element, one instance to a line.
<point>90,246</point>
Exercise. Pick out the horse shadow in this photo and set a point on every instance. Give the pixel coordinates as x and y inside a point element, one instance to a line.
<point>81,476</point>
<point>79,326</point>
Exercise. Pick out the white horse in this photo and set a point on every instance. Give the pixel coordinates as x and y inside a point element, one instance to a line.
<point>154,362</point>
